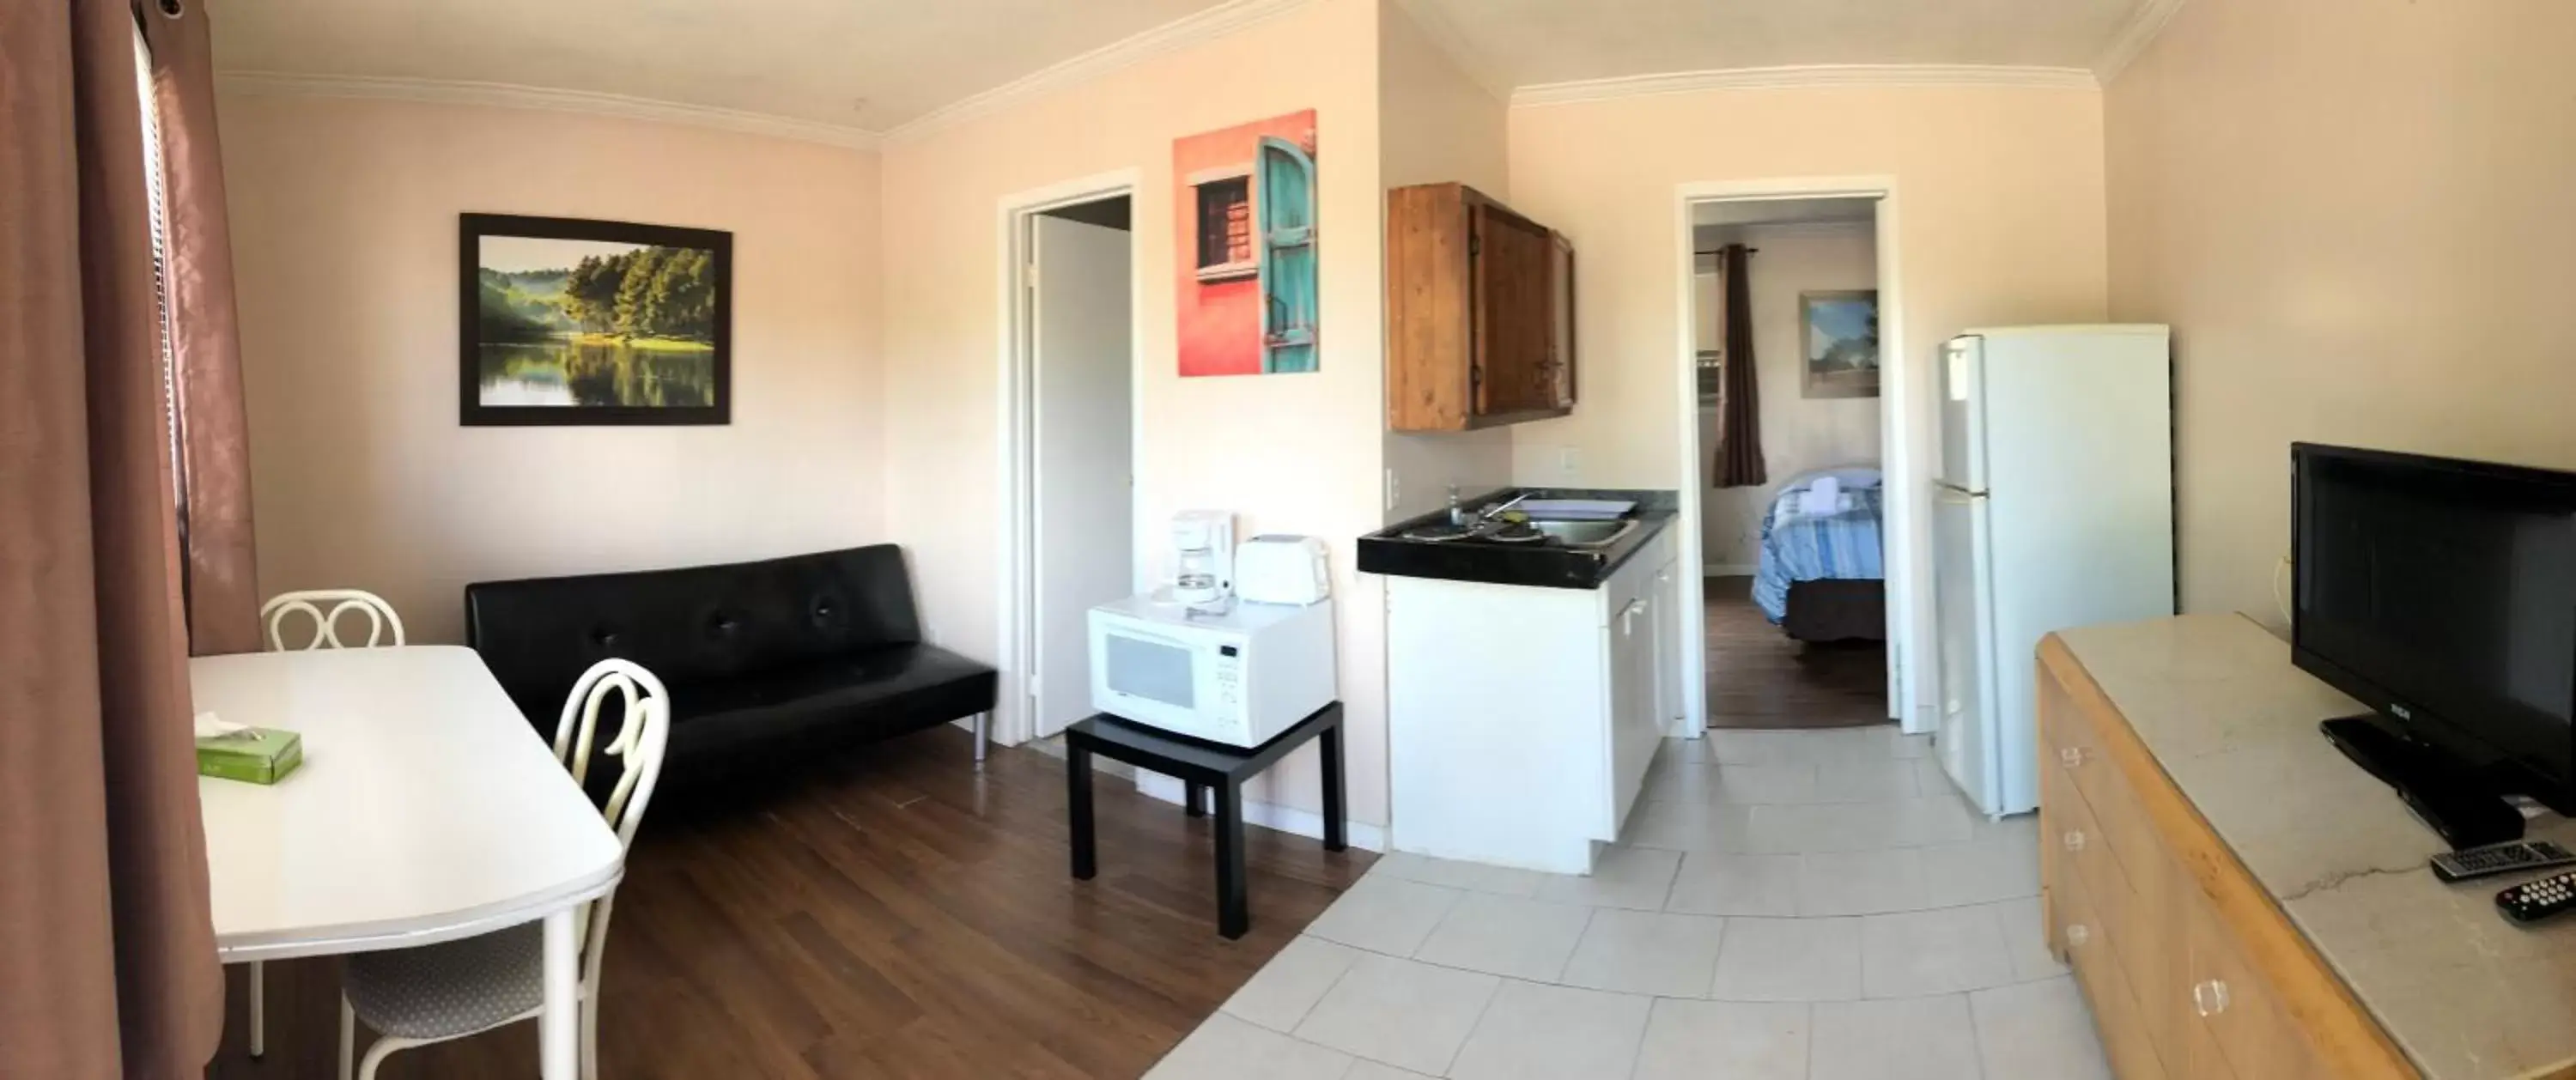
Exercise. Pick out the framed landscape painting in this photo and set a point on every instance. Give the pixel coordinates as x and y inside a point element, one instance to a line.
<point>564,321</point>
<point>1841,332</point>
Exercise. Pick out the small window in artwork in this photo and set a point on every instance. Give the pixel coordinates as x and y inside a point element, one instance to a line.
<point>1225,248</point>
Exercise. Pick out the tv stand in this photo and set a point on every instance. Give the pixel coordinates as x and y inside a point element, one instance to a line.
<point>2442,793</point>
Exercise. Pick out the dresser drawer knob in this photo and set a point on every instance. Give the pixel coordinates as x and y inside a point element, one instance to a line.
<point>2209,998</point>
<point>2078,934</point>
<point>2075,840</point>
<point>2071,756</point>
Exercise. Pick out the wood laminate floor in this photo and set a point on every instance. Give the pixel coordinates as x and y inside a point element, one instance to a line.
<point>1759,677</point>
<point>896,915</point>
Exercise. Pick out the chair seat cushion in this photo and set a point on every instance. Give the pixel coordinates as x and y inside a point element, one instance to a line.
<point>449,989</point>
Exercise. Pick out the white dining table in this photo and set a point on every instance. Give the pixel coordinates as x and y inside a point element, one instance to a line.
<point>427,809</point>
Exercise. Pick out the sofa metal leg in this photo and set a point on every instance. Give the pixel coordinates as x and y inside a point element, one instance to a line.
<point>983,735</point>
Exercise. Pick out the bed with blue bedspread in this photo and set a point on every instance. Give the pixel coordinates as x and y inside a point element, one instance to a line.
<point>1822,576</point>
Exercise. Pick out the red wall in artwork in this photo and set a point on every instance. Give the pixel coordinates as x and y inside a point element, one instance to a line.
<point>1220,322</point>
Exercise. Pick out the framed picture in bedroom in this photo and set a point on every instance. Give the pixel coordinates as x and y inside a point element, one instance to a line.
<point>1840,343</point>
<point>572,322</point>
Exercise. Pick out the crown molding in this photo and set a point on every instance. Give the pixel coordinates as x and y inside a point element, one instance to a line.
<point>1205,26</point>
<point>1446,37</point>
<point>1806,76</point>
<point>512,96</point>
<point>2144,24</point>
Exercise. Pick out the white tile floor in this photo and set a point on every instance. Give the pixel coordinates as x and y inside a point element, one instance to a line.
<point>1786,905</point>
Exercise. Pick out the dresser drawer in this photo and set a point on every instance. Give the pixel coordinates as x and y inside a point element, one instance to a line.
<point>2234,1010</point>
<point>2086,938</point>
<point>2075,838</point>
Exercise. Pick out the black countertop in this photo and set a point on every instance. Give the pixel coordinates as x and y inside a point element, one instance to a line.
<point>1545,564</point>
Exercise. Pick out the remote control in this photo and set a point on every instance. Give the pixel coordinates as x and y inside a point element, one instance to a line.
<point>2500,859</point>
<point>2533,901</point>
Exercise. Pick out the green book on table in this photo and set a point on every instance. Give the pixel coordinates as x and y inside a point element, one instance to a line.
<point>258,755</point>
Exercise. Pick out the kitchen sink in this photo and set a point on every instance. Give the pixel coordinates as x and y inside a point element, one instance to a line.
<point>1585,533</point>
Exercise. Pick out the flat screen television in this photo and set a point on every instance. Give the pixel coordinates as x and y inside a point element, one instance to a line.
<point>2442,594</point>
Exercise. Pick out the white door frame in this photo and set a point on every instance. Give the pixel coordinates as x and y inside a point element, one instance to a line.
<point>1905,417</point>
<point>1014,720</point>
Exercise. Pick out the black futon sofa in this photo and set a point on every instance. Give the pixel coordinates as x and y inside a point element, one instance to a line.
<point>766,662</point>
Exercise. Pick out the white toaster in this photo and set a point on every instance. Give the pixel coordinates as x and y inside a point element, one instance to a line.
<point>1276,568</point>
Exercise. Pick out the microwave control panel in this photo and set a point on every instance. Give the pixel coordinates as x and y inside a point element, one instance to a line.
<point>1229,675</point>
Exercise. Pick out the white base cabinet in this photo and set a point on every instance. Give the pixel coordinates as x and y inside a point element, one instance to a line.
<point>1521,720</point>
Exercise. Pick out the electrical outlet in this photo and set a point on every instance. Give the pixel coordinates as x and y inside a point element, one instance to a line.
<point>1569,461</point>
<point>1394,491</point>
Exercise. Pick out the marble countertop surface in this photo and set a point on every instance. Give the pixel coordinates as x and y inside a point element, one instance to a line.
<point>2465,993</point>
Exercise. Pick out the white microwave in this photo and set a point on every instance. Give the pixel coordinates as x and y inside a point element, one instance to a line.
<point>1239,678</point>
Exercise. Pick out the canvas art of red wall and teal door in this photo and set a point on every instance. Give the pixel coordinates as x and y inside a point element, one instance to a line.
<point>1245,201</point>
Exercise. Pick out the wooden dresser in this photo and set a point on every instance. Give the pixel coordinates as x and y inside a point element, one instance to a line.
<point>2241,903</point>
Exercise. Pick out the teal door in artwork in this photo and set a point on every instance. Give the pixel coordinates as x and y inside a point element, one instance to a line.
<point>1285,214</point>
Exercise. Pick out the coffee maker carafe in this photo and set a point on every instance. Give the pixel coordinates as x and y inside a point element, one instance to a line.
<point>1203,559</point>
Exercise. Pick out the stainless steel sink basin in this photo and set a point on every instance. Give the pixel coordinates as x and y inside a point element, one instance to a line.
<point>1586,534</point>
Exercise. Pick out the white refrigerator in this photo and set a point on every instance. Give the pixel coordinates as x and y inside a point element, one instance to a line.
<point>2053,507</point>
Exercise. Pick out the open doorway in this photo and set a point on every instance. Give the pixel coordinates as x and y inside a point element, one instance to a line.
<point>1792,432</point>
<point>1072,446</point>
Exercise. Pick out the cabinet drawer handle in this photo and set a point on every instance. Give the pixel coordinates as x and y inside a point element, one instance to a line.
<point>2075,840</point>
<point>2071,756</point>
<point>2209,998</point>
<point>2078,934</point>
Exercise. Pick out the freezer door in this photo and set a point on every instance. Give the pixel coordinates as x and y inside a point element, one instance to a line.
<point>1963,589</point>
<point>1963,413</point>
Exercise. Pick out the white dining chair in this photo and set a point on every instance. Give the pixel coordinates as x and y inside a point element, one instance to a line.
<point>381,623</point>
<point>414,997</point>
<point>380,617</point>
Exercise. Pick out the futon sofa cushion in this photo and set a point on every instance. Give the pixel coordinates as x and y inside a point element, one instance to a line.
<point>764,660</point>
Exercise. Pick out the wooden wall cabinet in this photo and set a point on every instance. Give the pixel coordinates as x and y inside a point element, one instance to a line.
<point>2192,972</point>
<point>1479,310</point>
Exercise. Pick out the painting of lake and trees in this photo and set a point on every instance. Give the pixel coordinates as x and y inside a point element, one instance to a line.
<point>593,322</point>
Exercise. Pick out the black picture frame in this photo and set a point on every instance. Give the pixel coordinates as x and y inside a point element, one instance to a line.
<point>472,412</point>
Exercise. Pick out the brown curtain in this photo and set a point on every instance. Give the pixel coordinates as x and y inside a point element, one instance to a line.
<point>205,344</point>
<point>107,962</point>
<point>1739,419</point>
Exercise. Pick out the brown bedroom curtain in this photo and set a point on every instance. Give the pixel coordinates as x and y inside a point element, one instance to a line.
<point>107,961</point>
<point>1739,422</point>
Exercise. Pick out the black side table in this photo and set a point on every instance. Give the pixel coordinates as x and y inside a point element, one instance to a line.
<point>1201,766</point>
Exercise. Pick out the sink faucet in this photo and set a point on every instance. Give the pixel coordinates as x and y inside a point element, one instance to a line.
<point>1459,516</point>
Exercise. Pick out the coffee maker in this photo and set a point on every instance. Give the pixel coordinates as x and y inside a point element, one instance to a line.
<point>1203,559</point>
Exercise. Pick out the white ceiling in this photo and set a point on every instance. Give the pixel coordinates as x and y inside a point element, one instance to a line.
<point>873,65</point>
<point>810,60</point>
<point>1535,42</point>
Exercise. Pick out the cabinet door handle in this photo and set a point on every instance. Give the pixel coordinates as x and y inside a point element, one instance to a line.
<point>2209,998</point>
<point>2071,756</point>
<point>2078,934</point>
<point>2075,840</point>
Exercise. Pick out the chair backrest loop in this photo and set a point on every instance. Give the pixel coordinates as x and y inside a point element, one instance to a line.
<point>381,620</point>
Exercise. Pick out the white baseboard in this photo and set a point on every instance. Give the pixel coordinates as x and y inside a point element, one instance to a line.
<point>1727,570</point>
<point>1287,819</point>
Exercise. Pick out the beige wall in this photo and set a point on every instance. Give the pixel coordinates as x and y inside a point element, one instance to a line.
<point>344,234</point>
<point>2355,214</point>
<point>1999,221</point>
<point>2000,193</point>
<point>1287,453</point>
<point>1799,433</point>
<point>1436,125</point>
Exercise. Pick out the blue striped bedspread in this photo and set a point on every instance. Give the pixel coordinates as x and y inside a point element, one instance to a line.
<point>1798,547</point>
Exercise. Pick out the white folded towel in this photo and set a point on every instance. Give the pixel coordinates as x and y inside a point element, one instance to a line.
<point>1824,495</point>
